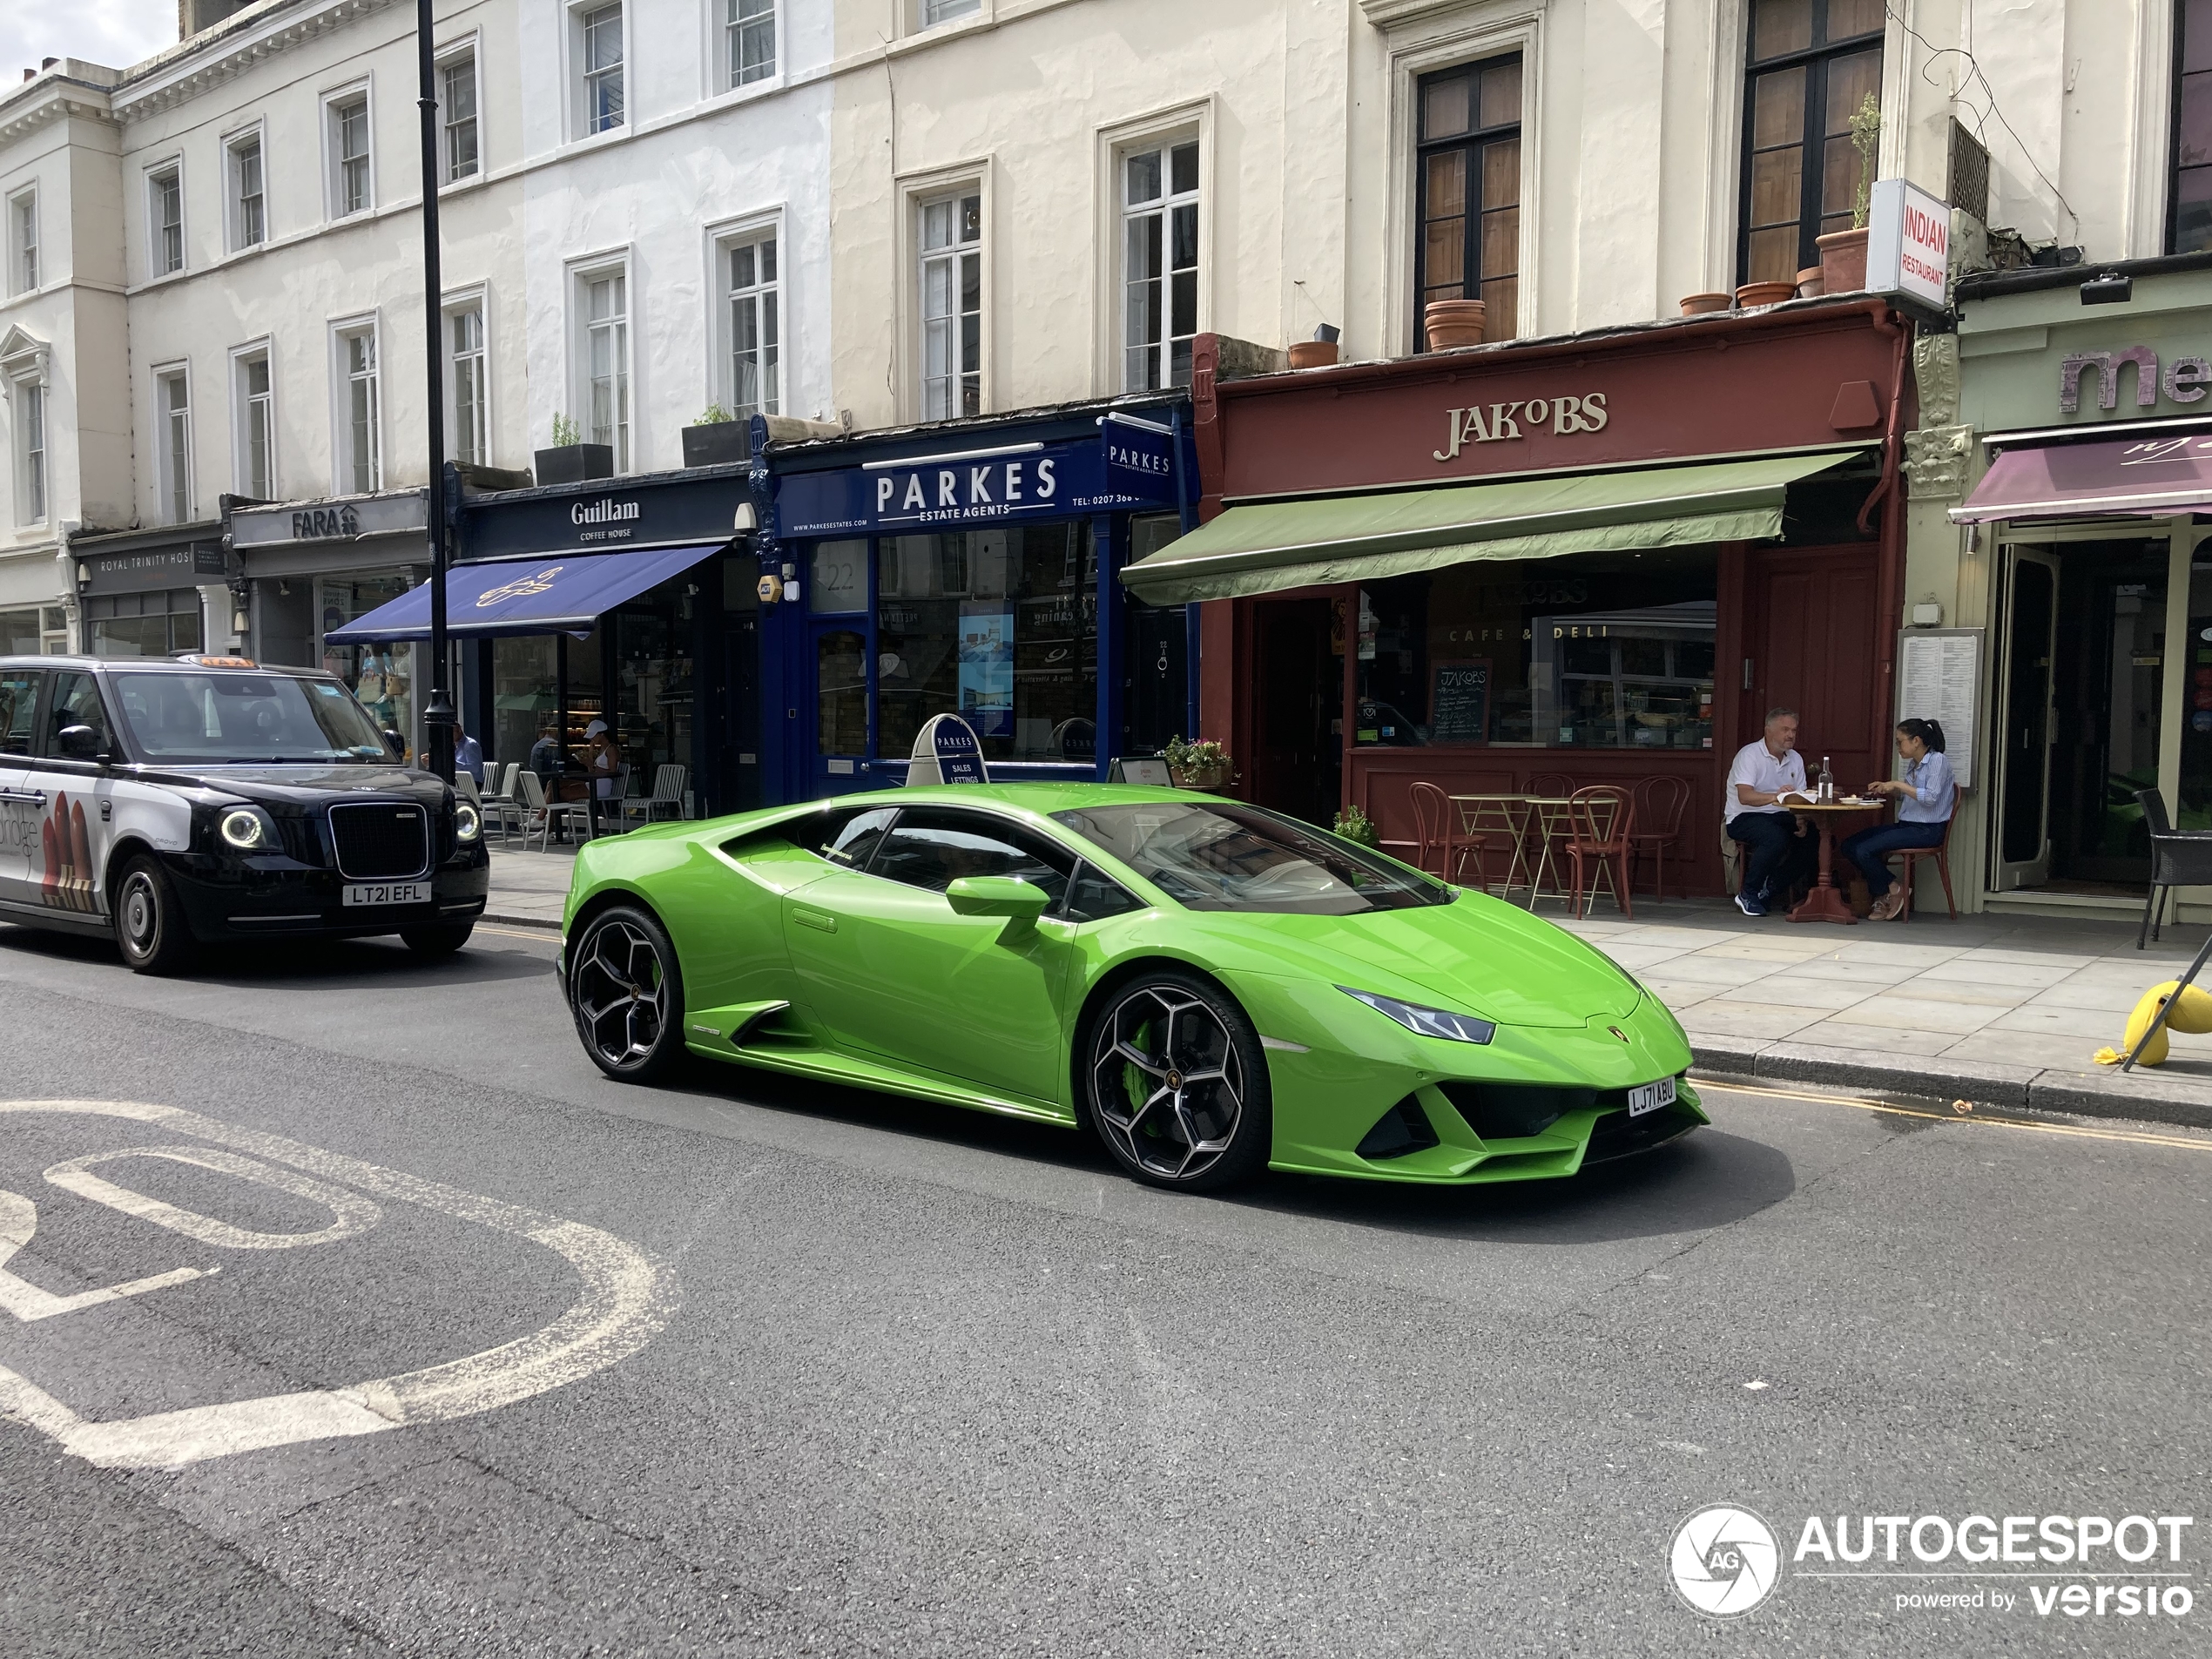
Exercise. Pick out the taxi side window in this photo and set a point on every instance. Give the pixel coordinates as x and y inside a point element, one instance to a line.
<point>18,710</point>
<point>76,702</point>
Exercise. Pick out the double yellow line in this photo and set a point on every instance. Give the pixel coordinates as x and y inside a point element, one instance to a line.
<point>2192,1142</point>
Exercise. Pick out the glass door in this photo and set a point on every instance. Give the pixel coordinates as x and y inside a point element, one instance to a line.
<point>2024,753</point>
<point>840,642</point>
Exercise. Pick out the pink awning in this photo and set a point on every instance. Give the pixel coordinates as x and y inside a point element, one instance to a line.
<point>2148,478</point>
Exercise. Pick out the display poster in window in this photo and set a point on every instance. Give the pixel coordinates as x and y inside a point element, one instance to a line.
<point>987,666</point>
<point>1459,702</point>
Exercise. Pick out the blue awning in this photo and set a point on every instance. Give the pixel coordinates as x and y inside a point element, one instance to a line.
<point>560,593</point>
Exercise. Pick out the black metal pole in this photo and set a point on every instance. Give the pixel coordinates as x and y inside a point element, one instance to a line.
<point>438,714</point>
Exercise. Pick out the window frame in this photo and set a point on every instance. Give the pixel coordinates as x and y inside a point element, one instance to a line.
<point>345,461</point>
<point>1165,142</point>
<point>1816,60</point>
<point>579,78</point>
<point>1471,143</point>
<point>722,380</point>
<point>448,58</point>
<point>456,305</point>
<point>582,274</point>
<point>920,197</point>
<point>26,255</point>
<point>261,351</point>
<point>919,19</point>
<point>170,169</point>
<point>234,143</point>
<point>32,469</point>
<point>335,103</point>
<point>726,26</point>
<point>173,461</point>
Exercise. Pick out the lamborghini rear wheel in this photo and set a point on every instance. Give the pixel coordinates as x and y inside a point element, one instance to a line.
<point>1176,1084</point>
<point>627,992</point>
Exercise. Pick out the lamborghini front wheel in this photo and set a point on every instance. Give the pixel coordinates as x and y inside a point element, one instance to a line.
<point>1176,1084</point>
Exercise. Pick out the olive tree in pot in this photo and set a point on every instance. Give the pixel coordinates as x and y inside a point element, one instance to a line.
<point>570,461</point>
<point>1843,254</point>
<point>716,439</point>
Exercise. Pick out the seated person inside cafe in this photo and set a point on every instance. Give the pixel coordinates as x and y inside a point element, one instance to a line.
<point>1779,854</point>
<point>1925,796</point>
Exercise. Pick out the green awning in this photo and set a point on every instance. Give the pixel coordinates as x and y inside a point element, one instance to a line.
<point>1273,545</point>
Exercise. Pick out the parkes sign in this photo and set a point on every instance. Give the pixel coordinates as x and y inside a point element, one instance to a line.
<point>1908,241</point>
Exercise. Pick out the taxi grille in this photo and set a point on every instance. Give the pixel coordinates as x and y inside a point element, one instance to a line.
<point>382,841</point>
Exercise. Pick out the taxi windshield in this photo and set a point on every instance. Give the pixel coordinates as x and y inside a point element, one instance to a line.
<point>182,715</point>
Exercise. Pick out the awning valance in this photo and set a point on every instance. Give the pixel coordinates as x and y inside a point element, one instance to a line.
<point>560,593</point>
<point>1270,546</point>
<point>2147,478</point>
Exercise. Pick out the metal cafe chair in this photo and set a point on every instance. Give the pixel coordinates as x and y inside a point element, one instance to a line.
<point>1432,827</point>
<point>1601,831</point>
<point>667,792</point>
<point>1660,801</point>
<point>2178,858</point>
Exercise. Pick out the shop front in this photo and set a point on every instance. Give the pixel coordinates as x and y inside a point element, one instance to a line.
<point>627,600</point>
<point>1528,567</point>
<point>2084,392</point>
<point>968,567</point>
<point>144,593</point>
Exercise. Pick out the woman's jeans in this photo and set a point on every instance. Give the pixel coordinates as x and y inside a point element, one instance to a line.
<point>1870,847</point>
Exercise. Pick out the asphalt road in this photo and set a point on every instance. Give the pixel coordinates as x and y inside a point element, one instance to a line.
<point>818,1373</point>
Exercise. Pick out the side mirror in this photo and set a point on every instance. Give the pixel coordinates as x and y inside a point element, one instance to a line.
<point>78,743</point>
<point>996,895</point>
<point>398,743</point>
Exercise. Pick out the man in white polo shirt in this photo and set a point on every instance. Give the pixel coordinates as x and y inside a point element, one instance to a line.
<point>1778,853</point>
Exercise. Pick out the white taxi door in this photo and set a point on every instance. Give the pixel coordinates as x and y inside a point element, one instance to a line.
<point>76,799</point>
<point>20,805</point>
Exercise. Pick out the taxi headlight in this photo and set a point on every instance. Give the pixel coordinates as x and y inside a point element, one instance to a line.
<point>241,828</point>
<point>467,822</point>
<point>1427,1022</point>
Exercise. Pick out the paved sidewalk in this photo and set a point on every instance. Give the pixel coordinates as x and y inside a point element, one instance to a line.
<point>2001,1011</point>
<point>528,888</point>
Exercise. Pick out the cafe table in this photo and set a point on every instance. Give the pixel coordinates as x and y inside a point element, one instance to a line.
<point>1825,902</point>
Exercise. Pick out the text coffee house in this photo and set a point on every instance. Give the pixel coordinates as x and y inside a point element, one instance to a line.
<point>1531,566</point>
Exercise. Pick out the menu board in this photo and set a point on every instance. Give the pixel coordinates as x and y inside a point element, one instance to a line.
<point>1939,673</point>
<point>1459,702</point>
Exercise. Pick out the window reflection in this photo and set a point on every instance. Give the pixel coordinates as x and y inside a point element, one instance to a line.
<point>841,688</point>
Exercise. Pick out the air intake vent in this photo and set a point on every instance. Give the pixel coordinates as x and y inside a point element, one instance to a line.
<point>1404,1128</point>
<point>1969,173</point>
<point>381,840</point>
<point>1514,1111</point>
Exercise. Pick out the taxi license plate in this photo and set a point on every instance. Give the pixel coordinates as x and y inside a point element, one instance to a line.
<point>1649,1097</point>
<point>384,892</point>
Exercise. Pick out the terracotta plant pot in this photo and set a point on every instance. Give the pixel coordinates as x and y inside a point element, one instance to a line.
<point>1453,323</point>
<point>1765,294</point>
<point>1312,354</point>
<point>1842,261</point>
<point>1699,305</point>
<point>1809,283</point>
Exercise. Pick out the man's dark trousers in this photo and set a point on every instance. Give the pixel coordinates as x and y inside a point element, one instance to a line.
<point>1779,856</point>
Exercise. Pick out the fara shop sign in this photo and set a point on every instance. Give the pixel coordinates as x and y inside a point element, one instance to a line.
<point>337,520</point>
<point>1131,464</point>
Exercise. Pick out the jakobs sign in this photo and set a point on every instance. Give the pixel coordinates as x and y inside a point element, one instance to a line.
<point>1503,423</point>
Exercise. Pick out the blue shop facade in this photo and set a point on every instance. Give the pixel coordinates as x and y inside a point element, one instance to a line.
<point>969,568</point>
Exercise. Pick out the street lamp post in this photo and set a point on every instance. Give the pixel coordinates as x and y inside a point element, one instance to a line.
<point>438,714</point>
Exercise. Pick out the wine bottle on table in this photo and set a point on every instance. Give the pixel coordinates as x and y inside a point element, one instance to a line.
<point>1827,781</point>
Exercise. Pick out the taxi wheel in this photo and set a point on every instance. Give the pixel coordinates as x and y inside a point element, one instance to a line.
<point>435,942</point>
<point>626,989</point>
<point>150,925</point>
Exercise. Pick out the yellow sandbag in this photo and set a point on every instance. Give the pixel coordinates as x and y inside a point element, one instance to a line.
<point>2192,1013</point>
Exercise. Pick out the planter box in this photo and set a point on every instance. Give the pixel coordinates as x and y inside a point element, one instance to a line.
<point>573,462</point>
<point>718,444</point>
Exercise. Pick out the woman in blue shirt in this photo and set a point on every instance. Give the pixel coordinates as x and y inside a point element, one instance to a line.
<point>1926,796</point>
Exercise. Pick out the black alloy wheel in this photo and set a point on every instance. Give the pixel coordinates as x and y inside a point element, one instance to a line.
<point>626,990</point>
<point>150,926</point>
<point>1175,1082</point>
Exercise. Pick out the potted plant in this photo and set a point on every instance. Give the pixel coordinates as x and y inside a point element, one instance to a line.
<point>717,438</point>
<point>1453,323</point>
<point>1201,764</point>
<point>1700,305</point>
<point>1316,353</point>
<point>1765,293</point>
<point>1843,254</point>
<point>570,461</point>
<point>1357,828</point>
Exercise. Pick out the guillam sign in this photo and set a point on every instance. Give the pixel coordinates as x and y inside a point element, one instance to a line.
<point>1908,241</point>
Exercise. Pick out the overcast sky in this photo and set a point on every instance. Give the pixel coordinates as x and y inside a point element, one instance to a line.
<point>114,33</point>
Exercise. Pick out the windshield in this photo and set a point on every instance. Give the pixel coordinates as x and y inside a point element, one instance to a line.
<point>204,717</point>
<point>1221,855</point>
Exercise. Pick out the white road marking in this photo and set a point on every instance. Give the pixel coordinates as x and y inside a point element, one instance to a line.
<point>354,1213</point>
<point>628,1298</point>
<point>18,1225</point>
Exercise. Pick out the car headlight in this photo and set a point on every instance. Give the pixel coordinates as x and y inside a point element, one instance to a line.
<point>1427,1022</point>
<point>467,822</point>
<point>241,828</point>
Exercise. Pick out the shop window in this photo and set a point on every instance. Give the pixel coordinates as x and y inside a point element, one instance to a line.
<point>352,177</point>
<point>598,45</point>
<point>1611,651</point>
<point>380,675</point>
<point>952,307</point>
<point>19,633</point>
<point>1159,265</point>
<point>165,219</point>
<point>525,704</point>
<point>249,225</point>
<point>172,410</point>
<point>2189,211</point>
<point>1468,191</point>
<point>457,116</point>
<point>143,625</point>
<point>22,241</point>
<point>654,693</point>
<point>257,427</point>
<point>998,626</point>
<point>1811,65</point>
<point>749,31</point>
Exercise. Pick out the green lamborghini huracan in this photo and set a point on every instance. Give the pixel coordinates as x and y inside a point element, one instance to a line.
<point>1211,987</point>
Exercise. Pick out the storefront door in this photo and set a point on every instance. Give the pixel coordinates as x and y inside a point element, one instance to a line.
<point>1812,612</point>
<point>2024,757</point>
<point>1297,757</point>
<point>838,652</point>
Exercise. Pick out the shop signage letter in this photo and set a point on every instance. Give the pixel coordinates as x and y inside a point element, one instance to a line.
<point>1566,414</point>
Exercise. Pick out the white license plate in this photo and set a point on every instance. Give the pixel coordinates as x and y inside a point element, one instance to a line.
<point>383,892</point>
<point>1649,1097</point>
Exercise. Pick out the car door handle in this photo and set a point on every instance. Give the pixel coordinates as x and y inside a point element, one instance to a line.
<point>37,797</point>
<point>820,920</point>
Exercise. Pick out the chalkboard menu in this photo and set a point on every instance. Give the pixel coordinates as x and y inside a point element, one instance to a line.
<point>1459,702</point>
